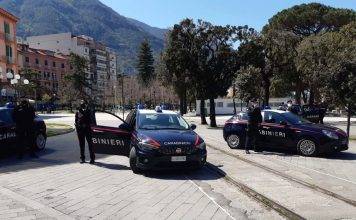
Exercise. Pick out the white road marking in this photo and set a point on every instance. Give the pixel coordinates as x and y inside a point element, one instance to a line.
<point>211,198</point>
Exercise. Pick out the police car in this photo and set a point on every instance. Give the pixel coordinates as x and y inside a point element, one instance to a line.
<point>8,130</point>
<point>152,139</point>
<point>283,129</point>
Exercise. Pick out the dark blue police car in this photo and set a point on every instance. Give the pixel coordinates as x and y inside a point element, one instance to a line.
<point>8,130</point>
<point>285,130</point>
<point>152,139</point>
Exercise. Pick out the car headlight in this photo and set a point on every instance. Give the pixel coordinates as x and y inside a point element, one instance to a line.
<point>147,146</point>
<point>330,134</point>
<point>201,146</point>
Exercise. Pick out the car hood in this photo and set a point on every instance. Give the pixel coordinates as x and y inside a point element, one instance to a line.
<point>320,127</point>
<point>171,137</point>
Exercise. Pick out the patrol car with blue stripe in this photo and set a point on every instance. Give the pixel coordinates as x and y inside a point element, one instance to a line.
<point>153,140</point>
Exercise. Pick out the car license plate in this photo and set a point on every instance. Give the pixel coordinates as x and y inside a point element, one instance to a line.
<point>178,158</point>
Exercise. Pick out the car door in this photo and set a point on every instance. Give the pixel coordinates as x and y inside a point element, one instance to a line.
<point>7,128</point>
<point>275,134</point>
<point>110,134</point>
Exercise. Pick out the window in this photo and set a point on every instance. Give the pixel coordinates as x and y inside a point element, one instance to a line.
<point>27,59</point>
<point>62,65</point>
<point>37,61</point>
<point>220,104</point>
<point>230,105</point>
<point>272,117</point>
<point>46,62</point>
<point>7,28</point>
<point>54,64</point>
<point>8,51</point>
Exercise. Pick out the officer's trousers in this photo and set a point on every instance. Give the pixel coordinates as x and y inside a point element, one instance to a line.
<point>25,139</point>
<point>252,135</point>
<point>84,134</point>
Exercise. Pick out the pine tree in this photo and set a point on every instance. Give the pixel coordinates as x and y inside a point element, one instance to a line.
<point>145,64</point>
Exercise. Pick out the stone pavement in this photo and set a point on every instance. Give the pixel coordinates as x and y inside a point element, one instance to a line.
<point>56,186</point>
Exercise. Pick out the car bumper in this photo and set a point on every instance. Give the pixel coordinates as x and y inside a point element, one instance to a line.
<point>334,146</point>
<point>155,161</point>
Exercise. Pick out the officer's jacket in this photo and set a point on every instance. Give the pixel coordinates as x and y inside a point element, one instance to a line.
<point>254,116</point>
<point>83,119</point>
<point>24,116</point>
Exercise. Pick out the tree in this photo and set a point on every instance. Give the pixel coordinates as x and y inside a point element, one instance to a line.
<point>248,82</point>
<point>78,78</point>
<point>298,23</point>
<point>146,71</point>
<point>178,60</point>
<point>216,62</point>
<point>331,56</point>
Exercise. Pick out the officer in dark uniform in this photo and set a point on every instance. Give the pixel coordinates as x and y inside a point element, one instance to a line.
<point>252,134</point>
<point>83,119</point>
<point>24,116</point>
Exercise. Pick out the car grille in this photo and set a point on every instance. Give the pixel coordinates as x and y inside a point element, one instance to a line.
<point>172,150</point>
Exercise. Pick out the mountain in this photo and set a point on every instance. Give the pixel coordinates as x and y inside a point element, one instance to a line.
<point>88,17</point>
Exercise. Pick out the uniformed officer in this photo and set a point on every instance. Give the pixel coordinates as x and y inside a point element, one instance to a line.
<point>82,125</point>
<point>254,119</point>
<point>24,116</point>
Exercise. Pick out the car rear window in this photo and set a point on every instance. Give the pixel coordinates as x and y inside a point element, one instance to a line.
<point>6,116</point>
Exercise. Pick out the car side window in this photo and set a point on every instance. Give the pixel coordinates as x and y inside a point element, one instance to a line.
<point>6,116</point>
<point>272,117</point>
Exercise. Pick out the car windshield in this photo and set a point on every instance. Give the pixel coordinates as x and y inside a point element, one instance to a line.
<point>154,121</point>
<point>294,119</point>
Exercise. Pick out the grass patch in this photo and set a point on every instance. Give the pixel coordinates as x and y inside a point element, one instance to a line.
<point>54,129</point>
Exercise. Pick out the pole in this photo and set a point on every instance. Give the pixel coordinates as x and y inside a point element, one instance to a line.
<point>122,96</point>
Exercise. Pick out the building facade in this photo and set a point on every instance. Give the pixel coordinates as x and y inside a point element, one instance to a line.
<point>8,50</point>
<point>102,67</point>
<point>47,67</point>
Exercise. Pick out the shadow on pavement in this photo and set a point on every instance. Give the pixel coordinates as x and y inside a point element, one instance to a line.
<point>185,174</point>
<point>342,156</point>
<point>112,166</point>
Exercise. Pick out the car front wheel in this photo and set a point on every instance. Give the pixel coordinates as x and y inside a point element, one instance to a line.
<point>133,161</point>
<point>234,141</point>
<point>307,147</point>
<point>40,141</point>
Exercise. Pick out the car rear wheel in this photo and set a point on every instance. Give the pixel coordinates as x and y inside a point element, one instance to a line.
<point>234,141</point>
<point>307,147</point>
<point>133,161</point>
<point>40,141</point>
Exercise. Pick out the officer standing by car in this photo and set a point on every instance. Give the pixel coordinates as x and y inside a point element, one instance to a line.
<point>24,116</point>
<point>83,119</point>
<point>254,119</point>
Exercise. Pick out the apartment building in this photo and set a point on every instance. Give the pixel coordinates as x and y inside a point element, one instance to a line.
<point>8,49</point>
<point>49,67</point>
<point>100,72</point>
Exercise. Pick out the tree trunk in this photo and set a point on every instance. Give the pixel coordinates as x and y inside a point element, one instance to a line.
<point>181,105</point>
<point>233,100</point>
<point>202,112</point>
<point>298,92</point>
<point>348,124</point>
<point>311,96</point>
<point>266,94</point>
<point>212,113</point>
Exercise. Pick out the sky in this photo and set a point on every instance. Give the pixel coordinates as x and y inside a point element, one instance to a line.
<point>166,13</point>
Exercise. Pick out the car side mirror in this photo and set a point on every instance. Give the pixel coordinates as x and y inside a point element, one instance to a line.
<point>125,127</point>
<point>193,126</point>
<point>284,123</point>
